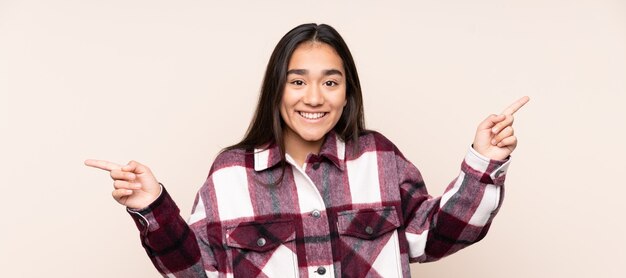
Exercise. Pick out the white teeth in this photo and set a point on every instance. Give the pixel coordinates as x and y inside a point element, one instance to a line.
<point>312,116</point>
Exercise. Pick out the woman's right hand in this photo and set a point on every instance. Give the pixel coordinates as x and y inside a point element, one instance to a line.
<point>134,184</point>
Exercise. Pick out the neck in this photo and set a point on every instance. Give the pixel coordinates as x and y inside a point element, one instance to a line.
<point>298,148</point>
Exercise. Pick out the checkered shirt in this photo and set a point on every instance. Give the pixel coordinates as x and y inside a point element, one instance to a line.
<point>347,212</point>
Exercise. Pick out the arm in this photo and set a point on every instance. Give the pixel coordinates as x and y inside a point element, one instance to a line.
<point>175,248</point>
<point>437,227</point>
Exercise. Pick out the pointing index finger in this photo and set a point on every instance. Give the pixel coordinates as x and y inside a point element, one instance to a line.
<point>102,164</point>
<point>516,106</point>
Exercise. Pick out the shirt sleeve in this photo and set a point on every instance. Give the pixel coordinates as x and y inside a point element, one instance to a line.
<point>175,248</point>
<point>439,226</point>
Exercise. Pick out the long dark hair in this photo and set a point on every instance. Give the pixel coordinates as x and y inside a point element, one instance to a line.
<point>267,125</point>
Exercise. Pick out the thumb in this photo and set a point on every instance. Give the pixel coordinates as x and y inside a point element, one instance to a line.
<point>135,167</point>
<point>491,121</point>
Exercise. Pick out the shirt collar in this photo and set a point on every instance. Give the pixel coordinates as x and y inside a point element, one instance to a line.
<point>333,148</point>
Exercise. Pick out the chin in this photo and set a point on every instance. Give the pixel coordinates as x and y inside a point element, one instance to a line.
<point>313,137</point>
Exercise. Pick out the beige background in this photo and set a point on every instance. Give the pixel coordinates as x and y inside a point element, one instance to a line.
<point>169,83</point>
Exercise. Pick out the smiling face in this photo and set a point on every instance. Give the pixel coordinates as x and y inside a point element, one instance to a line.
<point>314,96</point>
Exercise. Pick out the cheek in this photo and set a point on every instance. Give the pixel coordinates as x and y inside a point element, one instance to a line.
<point>283,111</point>
<point>344,96</point>
<point>287,99</point>
<point>341,100</point>
<point>285,107</point>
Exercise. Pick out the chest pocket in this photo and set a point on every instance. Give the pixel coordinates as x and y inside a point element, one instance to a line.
<point>369,242</point>
<point>260,248</point>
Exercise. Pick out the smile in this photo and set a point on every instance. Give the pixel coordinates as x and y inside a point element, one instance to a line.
<point>312,116</point>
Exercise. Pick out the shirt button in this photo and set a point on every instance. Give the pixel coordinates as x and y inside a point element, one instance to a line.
<point>369,230</point>
<point>261,242</point>
<point>316,165</point>
<point>321,270</point>
<point>316,213</point>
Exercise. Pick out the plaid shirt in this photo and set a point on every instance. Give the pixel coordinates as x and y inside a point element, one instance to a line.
<point>347,212</point>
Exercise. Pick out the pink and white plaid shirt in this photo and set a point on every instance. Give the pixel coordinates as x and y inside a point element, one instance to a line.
<point>347,212</point>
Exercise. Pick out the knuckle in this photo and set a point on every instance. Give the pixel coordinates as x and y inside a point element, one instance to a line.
<point>146,169</point>
<point>120,184</point>
<point>507,120</point>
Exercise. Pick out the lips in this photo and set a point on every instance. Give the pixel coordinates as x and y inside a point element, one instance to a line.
<point>312,116</point>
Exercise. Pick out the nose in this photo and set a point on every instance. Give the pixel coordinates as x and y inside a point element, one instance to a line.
<point>313,96</point>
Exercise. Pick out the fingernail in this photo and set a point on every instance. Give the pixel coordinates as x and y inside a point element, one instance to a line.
<point>493,142</point>
<point>129,192</point>
<point>494,130</point>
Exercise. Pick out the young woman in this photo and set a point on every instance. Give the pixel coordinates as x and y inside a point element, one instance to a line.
<point>309,192</point>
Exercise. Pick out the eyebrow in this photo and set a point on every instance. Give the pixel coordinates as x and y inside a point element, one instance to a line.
<point>305,72</point>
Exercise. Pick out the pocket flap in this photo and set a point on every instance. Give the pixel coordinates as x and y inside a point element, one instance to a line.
<point>260,236</point>
<point>367,223</point>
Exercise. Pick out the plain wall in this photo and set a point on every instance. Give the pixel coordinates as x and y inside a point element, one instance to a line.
<point>170,83</point>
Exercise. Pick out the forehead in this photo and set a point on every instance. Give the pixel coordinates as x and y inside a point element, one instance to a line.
<point>315,56</point>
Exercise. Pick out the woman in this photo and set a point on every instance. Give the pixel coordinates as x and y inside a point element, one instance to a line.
<point>309,191</point>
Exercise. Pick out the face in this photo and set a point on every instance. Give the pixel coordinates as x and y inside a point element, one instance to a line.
<point>314,95</point>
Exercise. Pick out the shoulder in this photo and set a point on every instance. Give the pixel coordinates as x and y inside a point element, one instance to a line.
<point>371,140</point>
<point>232,158</point>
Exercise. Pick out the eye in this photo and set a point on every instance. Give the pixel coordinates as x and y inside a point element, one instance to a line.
<point>297,82</point>
<point>330,83</point>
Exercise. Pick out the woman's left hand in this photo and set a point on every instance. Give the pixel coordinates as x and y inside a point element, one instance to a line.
<point>495,138</point>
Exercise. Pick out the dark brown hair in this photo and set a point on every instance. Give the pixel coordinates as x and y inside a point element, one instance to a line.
<point>267,125</point>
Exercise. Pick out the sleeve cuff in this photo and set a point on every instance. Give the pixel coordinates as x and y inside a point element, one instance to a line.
<point>148,208</point>
<point>487,170</point>
<point>147,219</point>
